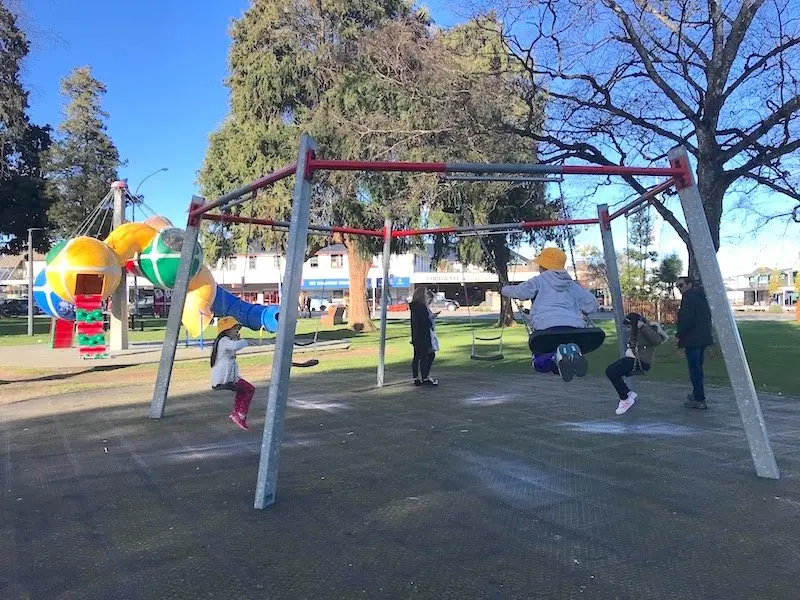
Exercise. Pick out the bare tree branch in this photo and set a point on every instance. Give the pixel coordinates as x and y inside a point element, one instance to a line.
<point>647,60</point>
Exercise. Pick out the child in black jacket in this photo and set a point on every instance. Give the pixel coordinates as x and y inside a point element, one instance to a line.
<point>423,336</point>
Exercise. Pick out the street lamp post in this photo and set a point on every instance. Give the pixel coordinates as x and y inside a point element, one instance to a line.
<point>30,277</point>
<point>134,199</point>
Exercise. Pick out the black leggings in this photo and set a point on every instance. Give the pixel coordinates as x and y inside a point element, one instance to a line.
<point>619,369</point>
<point>421,363</point>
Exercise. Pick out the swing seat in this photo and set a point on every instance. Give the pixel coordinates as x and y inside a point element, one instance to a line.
<point>305,343</point>
<point>489,339</point>
<point>313,362</point>
<point>588,339</point>
<point>224,387</point>
<point>487,357</point>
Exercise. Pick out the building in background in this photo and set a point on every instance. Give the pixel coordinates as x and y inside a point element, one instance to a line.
<point>326,276</point>
<point>751,290</point>
<point>14,274</point>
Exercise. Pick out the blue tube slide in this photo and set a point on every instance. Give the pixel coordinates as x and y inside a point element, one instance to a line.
<point>252,316</point>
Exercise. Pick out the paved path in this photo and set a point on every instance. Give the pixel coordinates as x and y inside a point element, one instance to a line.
<point>489,487</point>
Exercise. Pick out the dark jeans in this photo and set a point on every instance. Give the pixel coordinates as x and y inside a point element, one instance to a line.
<point>619,369</point>
<point>421,363</point>
<point>694,358</point>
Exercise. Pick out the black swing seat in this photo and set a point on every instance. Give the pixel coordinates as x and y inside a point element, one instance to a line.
<point>224,387</point>
<point>487,357</point>
<point>588,339</point>
<point>489,339</point>
<point>307,363</point>
<point>305,343</point>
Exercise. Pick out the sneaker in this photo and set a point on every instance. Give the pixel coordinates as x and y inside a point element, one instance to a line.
<point>239,421</point>
<point>625,405</point>
<point>417,382</point>
<point>429,382</point>
<point>579,362</point>
<point>564,362</point>
<point>698,404</point>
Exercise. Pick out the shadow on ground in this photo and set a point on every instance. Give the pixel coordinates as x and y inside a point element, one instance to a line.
<point>69,375</point>
<point>488,487</point>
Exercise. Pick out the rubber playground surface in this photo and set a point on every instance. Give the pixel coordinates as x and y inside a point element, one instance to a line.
<point>488,487</point>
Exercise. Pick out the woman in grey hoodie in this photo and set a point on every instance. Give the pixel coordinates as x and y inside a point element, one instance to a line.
<point>559,305</point>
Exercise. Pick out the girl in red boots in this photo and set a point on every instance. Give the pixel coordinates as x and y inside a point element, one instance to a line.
<point>225,371</point>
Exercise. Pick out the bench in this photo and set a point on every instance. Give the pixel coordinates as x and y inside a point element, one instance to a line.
<point>334,316</point>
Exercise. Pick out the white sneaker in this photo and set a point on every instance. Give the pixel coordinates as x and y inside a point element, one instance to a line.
<point>625,405</point>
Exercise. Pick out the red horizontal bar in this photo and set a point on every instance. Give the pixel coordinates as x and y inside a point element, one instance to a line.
<point>643,198</point>
<point>282,173</point>
<point>367,165</point>
<point>284,225</point>
<point>617,170</point>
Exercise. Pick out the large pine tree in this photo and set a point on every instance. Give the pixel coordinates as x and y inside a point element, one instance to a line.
<point>83,161</point>
<point>288,59</point>
<point>23,202</point>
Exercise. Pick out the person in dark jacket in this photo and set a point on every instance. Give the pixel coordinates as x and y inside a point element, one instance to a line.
<point>423,336</point>
<point>694,335</point>
<point>643,337</point>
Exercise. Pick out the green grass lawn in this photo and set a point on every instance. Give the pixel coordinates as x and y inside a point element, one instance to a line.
<point>773,349</point>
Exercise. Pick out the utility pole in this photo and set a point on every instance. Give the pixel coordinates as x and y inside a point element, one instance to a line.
<point>119,301</point>
<point>30,277</point>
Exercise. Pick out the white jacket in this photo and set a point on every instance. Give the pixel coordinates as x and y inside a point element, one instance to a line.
<point>558,301</point>
<point>225,369</point>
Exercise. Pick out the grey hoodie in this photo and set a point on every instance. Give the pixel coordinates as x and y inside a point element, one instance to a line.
<point>558,301</point>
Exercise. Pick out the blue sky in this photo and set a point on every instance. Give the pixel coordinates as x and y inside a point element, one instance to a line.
<point>164,64</point>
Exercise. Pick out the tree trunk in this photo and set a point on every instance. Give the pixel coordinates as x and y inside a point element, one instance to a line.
<point>358,317</point>
<point>501,256</point>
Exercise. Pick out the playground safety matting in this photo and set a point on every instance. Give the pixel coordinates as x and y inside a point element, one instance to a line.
<point>488,487</point>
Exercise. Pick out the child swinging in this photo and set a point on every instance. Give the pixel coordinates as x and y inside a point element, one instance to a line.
<point>559,303</point>
<point>225,370</point>
<point>643,337</point>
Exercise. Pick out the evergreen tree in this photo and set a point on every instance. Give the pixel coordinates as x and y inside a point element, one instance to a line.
<point>287,60</point>
<point>666,275</point>
<point>83,162</point>
<point>23,200</point>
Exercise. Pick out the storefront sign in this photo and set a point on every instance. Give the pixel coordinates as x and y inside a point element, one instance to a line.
<point>330,284</point>
<point>338,284</point>
<point>466,277</point>
<point>396,282</point>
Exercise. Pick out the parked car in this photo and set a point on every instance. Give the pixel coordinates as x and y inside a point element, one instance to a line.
<point>441,303</point>
<point>145,307</point>
<point>322,304</point>
<point>17,307</point>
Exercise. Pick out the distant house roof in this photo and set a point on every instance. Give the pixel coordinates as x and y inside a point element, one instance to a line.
<point>767,271</point>
<point>333,249</point>
<point>15,260</point>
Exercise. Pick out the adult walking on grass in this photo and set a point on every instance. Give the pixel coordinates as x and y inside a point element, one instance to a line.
<point>694,335</point>
<point>423,336</point>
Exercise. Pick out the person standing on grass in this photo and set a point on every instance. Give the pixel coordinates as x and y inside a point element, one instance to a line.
<point>694,335</point>
<point>225,370</point>
<point>423,336</point>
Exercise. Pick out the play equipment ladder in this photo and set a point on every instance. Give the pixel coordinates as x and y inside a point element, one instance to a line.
<point>90,324</point>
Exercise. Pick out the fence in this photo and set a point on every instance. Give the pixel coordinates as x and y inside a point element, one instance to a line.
<point>663,310</point>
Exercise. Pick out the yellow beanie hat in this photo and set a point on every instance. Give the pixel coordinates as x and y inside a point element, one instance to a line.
<point>225,323</point>
<point>553,259</point>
